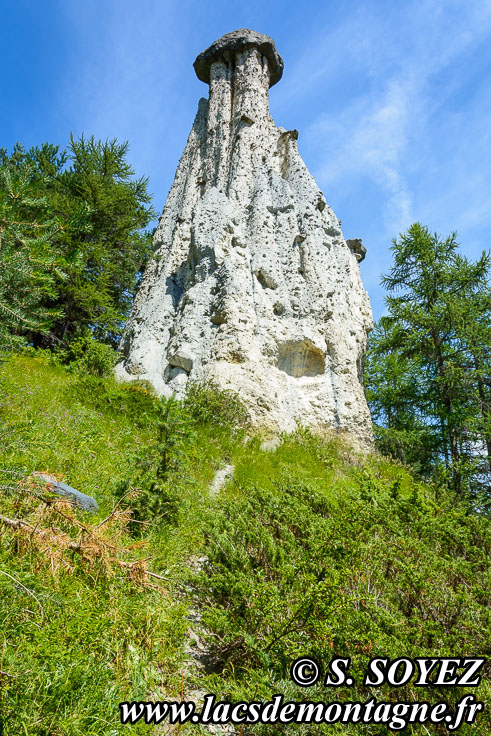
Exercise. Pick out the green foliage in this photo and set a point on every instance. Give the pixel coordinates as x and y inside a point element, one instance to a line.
<point>163,470</point>
<point>382,571</point>
<point>29,260</point>
<point>429,362</point>
<point>101,211</point>
<point>98,635</point>
<point>90,356</point>
<point>166,472</point>
<point>174,434</point>
<point>116,248</point>
<point>78,640</point>
<point>310,549</point>
<point>136,401</point>
<point>209,404</point>
<point>395,392</point>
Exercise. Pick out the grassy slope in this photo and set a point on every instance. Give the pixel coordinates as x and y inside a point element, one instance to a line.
<point>307,552</point>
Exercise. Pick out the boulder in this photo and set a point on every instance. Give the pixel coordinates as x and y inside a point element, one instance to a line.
<point>87,503</point>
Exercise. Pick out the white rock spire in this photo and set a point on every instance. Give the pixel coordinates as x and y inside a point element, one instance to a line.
<point>252,283</point>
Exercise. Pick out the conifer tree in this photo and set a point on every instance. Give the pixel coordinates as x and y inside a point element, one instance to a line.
<point>114,249</point>
<point>105,250</point>
<point>394,388</point>
<point>433,347</point>
<point>29,260</point>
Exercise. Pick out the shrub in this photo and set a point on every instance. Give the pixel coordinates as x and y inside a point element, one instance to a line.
<point>209,404</point>
<point>86,355</point>
<point>290,572</point>
<point>162,470</point>
<point>135,400</point>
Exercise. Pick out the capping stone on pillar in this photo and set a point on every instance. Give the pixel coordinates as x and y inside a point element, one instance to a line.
<point>252,283</point>
<point>229,45</point>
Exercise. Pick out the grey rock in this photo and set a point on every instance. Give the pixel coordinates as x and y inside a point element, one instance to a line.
<point>252,284</point>
<point>228,46</point>
<point>87,503</point>
<point>271,444</point>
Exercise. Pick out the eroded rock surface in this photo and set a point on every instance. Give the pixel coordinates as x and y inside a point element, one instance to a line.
<point>252,282</point>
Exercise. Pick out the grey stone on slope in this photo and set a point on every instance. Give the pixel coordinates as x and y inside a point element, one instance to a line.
<point>222,476</point>
<point>87,503</point>
<point>252,283</point>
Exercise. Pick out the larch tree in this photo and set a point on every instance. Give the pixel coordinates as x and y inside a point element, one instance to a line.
<point>433,349</point>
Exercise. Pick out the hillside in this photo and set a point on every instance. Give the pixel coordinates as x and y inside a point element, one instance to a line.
<point>309,550</point>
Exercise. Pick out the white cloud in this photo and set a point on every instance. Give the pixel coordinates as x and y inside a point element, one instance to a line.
<point>372,85</point>
<point>380,134</point>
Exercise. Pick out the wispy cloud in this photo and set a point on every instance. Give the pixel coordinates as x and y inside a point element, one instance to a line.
<point>409,75</point>
<point>391,100</point>
<point>370,143</point>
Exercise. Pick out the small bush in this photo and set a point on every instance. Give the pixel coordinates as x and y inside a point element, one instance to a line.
<point>163,469</point>
<point>209,404</point>
<point>86,355</point>
<point>136,400</point>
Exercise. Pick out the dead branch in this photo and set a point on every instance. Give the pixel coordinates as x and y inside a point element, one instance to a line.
<point>132,490</point>
<point>76,546</point>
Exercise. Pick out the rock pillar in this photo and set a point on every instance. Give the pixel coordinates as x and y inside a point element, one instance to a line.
<point>252,283</point>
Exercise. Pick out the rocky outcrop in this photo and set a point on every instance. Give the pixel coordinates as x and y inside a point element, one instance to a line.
<point>356,246</point>
<point>252,282</point>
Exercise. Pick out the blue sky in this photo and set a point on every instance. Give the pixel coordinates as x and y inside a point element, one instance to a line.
<point>392,100</point>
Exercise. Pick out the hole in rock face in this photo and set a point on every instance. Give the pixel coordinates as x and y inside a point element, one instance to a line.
<point>301,358</point>
<point>266,281</point>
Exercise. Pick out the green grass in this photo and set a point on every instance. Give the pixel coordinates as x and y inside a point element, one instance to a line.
<point>309,550</point>
<point>86,637</point>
